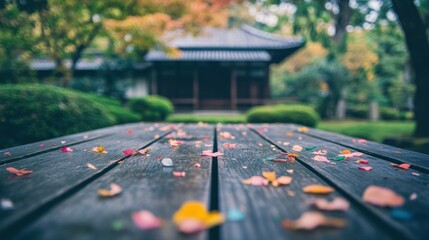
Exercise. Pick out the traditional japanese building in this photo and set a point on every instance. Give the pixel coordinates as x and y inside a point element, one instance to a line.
<point>225,69</point>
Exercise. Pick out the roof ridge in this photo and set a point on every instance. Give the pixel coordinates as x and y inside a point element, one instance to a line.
<point>266,35</point>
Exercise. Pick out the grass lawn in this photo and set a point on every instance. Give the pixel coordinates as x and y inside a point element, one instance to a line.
<point>375,131</point>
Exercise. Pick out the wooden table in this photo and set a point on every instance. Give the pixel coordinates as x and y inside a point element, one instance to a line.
<point>59,199</point>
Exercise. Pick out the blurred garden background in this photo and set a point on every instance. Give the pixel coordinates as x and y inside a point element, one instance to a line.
<point>68,66</point>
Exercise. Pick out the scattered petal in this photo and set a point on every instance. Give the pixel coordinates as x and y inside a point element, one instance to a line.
<point>63,142</point>
<point>115,189</point>
<point>226,135</point>
<point>6,204</point>
<point>339,158</point>
<point>312,148</point>
<point>360,141</point>
<point>66,149</point>
<point>256,181</point>
<point>175,143</point>
<point>197,165</point>
<point>303,129</point>
<point>146,220</point>
<point>415,174</point>
<point>179,174</point>
<point>209,153</point>
<point>317,189</point>
<point>193,217</point>
<point>42,145</point>
<point>320,152</point>
<point>269,175</point>
<point>362,161</point>
<point>144,151</point>
<point>404,166</point>
<point>382,197</point>
<point>289,171</point>
<point>167,162</point>
<point>365,168</point>
<point>90,165</point>
<point>17,172</point>
<point>320,158</point>
<point>99,149</point>
<point>297,148</point>
<point>284,180</point>
<point>229,145</point>
<point>338,204</point>
<point>413,196</point>
<point>344,152</point>
<point>235,215</point>
<point>312,220</point>
<point>129,152</point>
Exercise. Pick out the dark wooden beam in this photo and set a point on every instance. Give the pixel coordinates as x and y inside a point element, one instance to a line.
<point>233,89</point>
<point>196,89</point>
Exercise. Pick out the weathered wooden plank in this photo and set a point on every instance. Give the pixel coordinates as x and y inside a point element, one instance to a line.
<point>146,184</point>
<point>346,175</point>
<point>12,154</point>
<point>265,207</point>
<point>56,174</point>
<point>420,161</point>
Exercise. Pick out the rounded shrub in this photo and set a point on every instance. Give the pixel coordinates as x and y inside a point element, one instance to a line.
<point>387,113</point>
<point>32,112</point>
<point>299,114</point>
<point>152,108</point>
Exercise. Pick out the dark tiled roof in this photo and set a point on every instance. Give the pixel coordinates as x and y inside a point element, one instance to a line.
<point>245,37</point>
<point>210,55</point>
<point>237,44</point>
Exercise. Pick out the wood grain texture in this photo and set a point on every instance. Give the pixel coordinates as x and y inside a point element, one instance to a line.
<point>12,154</point>
<point>146,184</point>
<point>346,175</point>
<point>265,207</point>
<point>56,173</point>
<point>420,161</point>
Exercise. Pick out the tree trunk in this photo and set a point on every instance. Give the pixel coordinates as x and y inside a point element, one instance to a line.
<point>341,21</point>
<point>418,48</point>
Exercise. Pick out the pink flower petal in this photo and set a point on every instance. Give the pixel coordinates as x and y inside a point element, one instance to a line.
<point>146,220</point>
<point>320,158</point>
<point>17,172</point>
<point>197,165</point>
<point>362,161</point>
<point>365,168</point>
<point>179,174</point>
<point>320,152</point>
<point>66,149</point>
<point>129,152</point>
<point>297,148</point>
<point>382,197</point>
<point>190,226</point>
<point>338,204</point>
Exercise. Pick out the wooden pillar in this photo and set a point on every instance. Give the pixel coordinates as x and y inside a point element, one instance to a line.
<point>196,89</point>
<point>233,90</point>
<point>267,90</point>
<point>153,83</point>
<point>253,91</point>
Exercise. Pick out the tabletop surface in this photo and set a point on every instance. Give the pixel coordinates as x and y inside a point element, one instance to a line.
<point>227,168</point>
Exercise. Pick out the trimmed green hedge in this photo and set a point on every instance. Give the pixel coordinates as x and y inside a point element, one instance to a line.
<point>152,108</point>
<point>32,112</point>
<point>299,114</point>
<point>114,107</point>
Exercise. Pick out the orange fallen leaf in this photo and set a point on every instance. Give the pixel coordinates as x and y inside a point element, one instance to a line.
<point>115,189</point>
<point>345,152</point>
<point>99,149</point>
<point>303,129</point>
<point>404,166</point>
<point>317,189</point>
<point>312,220</point>
<point>17,172</point>
<point>382,197</point>
<point>193,217</point>
<point>284,180</point>
<point>269,175</point>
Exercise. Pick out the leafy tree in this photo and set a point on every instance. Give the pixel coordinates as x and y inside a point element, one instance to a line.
<point>417,42</point>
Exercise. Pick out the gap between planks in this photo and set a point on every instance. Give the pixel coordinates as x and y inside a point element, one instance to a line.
<point>391,225</point>
<point>214,233</point>
<point>44,207</point>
